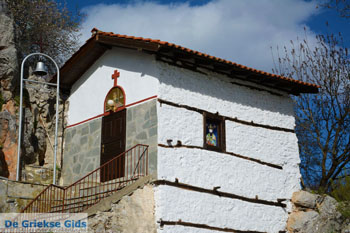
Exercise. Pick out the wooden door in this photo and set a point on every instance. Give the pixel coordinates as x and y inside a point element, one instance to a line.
<point>113,144</point>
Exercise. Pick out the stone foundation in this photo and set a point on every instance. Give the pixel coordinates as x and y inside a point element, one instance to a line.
<point>134,213</point>
<point>14,195</point>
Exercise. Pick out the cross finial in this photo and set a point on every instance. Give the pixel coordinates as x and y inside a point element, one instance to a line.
<point>115,77</point>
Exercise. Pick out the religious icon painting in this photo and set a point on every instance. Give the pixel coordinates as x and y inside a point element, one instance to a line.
<point>214,132</point>
<point>211,133</point>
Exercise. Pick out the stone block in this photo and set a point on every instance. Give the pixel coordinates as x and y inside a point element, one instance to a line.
<point>305,199</point>
<point>153,110</point>
<point>68,136</point>
<point>95,125</point>
<point>147,116</point>
<point>73,132</point>
<point>152,131</point>
<point>328,207</point>
<point>74,150</point>
<point>153,121</point>
<point>76,169</point>
<point>128,116</point>
<point>83,140</point>
<point>97,142</point>
<point>90,167</point>
<point>302,221</point>
<point>93,153</point>
<point>141,136</point>
<point>85,130</point>
<point>81,158</point>
<point>131,128</point>
<point>147,125</point>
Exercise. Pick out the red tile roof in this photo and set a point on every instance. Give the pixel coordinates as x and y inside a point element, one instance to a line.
<point>158,44</point>
<point>95,31</point>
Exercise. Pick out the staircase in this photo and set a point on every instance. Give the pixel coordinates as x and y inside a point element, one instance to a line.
<point>115,174</point>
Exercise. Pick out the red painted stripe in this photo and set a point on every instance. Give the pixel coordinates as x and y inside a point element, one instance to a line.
<point>81,122</point>
<point>107,113</point>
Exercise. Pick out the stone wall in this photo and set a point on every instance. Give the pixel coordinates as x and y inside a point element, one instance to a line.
<point>14,196</point>
<point>81,150</point>
<point>82,144</point>
<point>134,213</point>
<point>141,128</point>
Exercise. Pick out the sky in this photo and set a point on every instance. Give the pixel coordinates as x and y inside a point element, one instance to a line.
<point>243,31</point>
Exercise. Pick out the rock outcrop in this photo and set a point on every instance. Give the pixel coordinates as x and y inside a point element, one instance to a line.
<point>8,79</point>
<point>8,54</point>
<point>42,102</point>
<point>8,142</point>
<point>316,214</point>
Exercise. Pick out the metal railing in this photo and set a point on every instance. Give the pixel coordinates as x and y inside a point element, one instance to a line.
<point>112,176</point>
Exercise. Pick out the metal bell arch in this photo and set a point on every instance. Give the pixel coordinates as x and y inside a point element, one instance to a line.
<point>41,68</point>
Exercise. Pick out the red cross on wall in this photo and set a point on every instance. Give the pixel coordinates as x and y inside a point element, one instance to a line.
<point>115,77</point>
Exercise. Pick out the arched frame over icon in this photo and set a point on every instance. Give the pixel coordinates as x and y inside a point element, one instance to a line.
<point>115,100</point>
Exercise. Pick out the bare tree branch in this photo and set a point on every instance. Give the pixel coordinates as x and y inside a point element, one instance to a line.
<point>322,120</point>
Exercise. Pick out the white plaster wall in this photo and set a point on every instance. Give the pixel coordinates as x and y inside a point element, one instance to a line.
<point>208,169</point>
<point>138,73</point>
<point>216,94</point>
<point>179,124</point>
<point>173,204</point>
<point>277,147</point>
<point>272,146</point>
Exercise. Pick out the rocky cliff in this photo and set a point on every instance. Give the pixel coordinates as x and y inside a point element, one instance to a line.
<point>8,81</point>
<point>8,54</point>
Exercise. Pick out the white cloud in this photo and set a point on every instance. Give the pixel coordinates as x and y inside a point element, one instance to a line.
<point>238,30</point>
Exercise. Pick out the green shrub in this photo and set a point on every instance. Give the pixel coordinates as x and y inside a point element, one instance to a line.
<point>341,192</point>
<point>17,100</point>
<point>26,102</point>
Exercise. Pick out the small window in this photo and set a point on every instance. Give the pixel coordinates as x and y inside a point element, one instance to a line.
<point>214,132</point>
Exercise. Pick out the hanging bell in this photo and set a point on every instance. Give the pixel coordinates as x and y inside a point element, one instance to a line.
<point>40,69</point>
